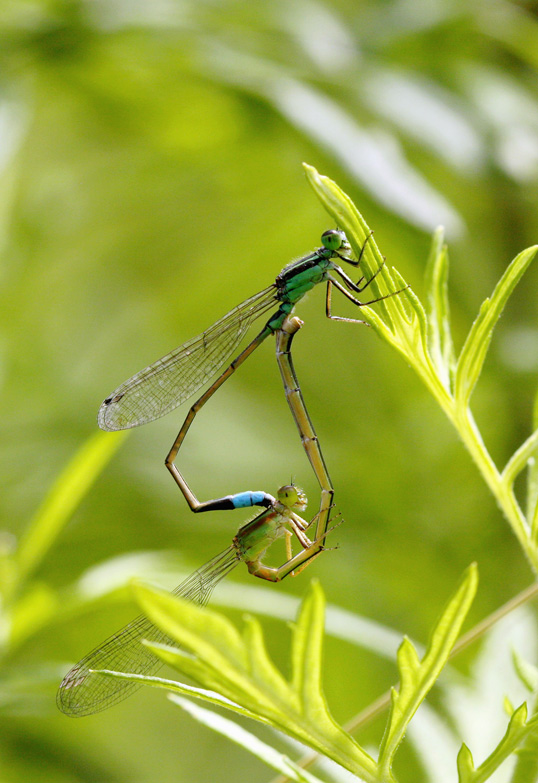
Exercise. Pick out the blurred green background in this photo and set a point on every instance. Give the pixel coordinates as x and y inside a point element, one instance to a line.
<point>150,158</point>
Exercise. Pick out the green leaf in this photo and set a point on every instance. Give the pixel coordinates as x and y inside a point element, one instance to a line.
<point>260,664</point>
<point>191,667</point>
<point>346,216</point>
<point>520,459</point>
<point>169,655</point>
<point>527,673</point>
<point>418,676</point>
<point>32,611</point>
<point>532,482</point>
<point>263,751</point>
<point>307,649</point>
<point>526,768</point>
<point>219,659</point>
<point>424,340</point>
<point>474,351</point>
<point>440,344</point>
<point>216,640</point>
<point>518,730</point>
<point>399,318</point>
<point>65,495</point>
<point>465,764</point>
<point>395,323</point>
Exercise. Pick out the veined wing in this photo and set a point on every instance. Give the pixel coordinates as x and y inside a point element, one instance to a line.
<point>84,691</point>
<point>167,383</point>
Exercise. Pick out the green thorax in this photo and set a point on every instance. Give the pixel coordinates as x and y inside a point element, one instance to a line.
<point>297,279</point>
<point>254,538</point>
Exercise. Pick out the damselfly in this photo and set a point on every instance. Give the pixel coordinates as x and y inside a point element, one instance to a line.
<point>85,691</point>
<point>167,383</point>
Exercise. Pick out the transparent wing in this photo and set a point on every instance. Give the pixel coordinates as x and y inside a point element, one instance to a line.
<point>167,383</point>
<point>83,691</point>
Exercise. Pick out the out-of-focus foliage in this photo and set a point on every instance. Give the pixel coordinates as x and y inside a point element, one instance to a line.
<point>150,169</point>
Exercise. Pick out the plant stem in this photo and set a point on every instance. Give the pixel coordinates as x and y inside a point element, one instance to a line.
<point>464,423</point>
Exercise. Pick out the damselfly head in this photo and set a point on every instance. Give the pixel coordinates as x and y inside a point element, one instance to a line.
<point>334,239</point>
<point>293,497</point>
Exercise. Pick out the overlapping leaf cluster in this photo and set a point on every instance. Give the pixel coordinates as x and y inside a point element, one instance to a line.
<point>421,333</point>
<point>235,672</point>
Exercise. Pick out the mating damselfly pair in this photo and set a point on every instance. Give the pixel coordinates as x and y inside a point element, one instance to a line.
<point>164,385</point>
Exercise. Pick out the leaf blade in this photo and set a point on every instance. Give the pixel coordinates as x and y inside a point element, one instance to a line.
<point>63,498</point>
<point>418,676</point>
<point>475,348</point>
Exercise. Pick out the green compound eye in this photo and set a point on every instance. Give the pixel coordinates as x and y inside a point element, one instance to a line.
<point>333,239</point>
<point>292,497</point>
<point>288,495</point>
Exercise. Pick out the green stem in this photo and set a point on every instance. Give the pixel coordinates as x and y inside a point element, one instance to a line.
<point>464,423</point>
<point>469,433</point>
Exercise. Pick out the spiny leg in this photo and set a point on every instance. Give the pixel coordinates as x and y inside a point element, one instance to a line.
<point>242,499</point>
<point>312,549</point>
<point>328,305</point>
<point>293,565</point>
<point>356,287</point>
<point>331,281</point>
<point>357,263</point>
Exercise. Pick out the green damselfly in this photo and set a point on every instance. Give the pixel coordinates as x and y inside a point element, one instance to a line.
<point>85,691</point>
<point>167,383</point>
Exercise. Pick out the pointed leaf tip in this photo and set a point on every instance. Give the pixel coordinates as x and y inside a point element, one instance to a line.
<point>465,764</point>
<point>475,348</point>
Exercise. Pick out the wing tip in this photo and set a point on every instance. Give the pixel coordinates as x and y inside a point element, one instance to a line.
<point>105,418</point>
<point>102,420</point>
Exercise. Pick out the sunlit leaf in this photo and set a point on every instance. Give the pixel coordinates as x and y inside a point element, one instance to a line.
<point>437,309</point>
<point>247,740</point>
<point>473,353</point>
<point>418,676</point>
<point>527,673</point>
<point>532,482</point>
<point>245,675</point>
<point>63,498</point>
<point>518,729</point>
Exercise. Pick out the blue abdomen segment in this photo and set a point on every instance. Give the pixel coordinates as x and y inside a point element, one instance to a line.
<point>240,500</point>
<point>247,499</point>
